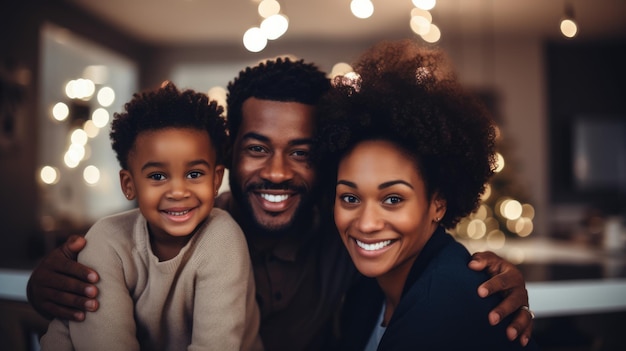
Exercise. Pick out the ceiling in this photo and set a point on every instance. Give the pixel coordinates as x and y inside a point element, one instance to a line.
<point>202,22</point>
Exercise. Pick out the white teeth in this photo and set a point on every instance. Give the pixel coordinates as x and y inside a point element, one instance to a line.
<point>182,213</point>
<point>274,198</point>
<point>372,247</point>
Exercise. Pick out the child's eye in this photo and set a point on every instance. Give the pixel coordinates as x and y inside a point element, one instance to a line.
<point>194,174</point>
<point>390,200</point>
<point>156,176</point>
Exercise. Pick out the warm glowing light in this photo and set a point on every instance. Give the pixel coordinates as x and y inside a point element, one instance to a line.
<point>495,239</point>
<point>79,137</point>
<point>362,8</point>
<point>425,4</point>
<point>80,89</point>
<point>523,227</point>
<point>218,94</point>
<point>481,213</point>
<point>499,163</point>
<point>274,26</point>
<point>77,152</point>
<point>60,111</point>
<point>569,28</point>
<point>49,175</point>
<point>528,211</point>
<point>100,117</point>
<point>91,175</point>
<point>106,96</point>
<point>70,159</point>
<point>90,129</point>
<point>487,192</point>
<point>340,69</point>
<point>268,8</point>
<point>476,229</point>
<point>69,90</point>
<point>254,40</point>
<point>433,35</point>
<point>420,25</point>
<point>511,209</point>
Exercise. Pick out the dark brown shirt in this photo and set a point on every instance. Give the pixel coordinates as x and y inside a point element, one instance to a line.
<point>300,282</point>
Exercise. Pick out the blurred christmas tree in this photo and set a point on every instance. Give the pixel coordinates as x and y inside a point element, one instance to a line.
<point>504,211</point>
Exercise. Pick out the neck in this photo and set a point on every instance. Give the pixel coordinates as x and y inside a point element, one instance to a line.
<point>392,285</point>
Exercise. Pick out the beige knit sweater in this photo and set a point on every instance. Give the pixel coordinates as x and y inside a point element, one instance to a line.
<point>203,299</point>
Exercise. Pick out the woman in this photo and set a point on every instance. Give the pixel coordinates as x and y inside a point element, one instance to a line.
<point>410,155</point>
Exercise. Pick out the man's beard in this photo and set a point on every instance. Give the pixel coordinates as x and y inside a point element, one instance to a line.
<point>301,216</point>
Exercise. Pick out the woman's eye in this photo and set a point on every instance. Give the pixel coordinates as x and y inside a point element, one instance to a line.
<point>349,199</point>
<point>390,200</point>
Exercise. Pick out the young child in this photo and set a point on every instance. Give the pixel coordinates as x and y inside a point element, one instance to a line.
<point>175,274</point>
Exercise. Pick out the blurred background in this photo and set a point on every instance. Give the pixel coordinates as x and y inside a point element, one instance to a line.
<point>550,71</point>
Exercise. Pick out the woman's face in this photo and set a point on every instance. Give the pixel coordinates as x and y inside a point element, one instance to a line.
<point>381,209</point>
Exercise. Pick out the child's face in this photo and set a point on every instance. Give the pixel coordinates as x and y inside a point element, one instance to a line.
<point>173,175</point>
<point>382,211</point>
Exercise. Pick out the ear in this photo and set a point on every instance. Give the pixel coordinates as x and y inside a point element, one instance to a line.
<point>218,177</point>
<point>438,208</point>
<point>127,184</point>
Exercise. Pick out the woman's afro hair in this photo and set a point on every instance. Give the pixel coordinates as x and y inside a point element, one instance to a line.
<point>410,96</point>
<point>167,107</point>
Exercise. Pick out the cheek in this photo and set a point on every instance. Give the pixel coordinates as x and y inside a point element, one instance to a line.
<point>342,219</point>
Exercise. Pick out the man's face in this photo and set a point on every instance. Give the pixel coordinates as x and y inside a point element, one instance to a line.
<point>271,178</point>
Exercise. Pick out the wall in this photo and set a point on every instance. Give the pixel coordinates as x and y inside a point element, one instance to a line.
<point>511,67</point>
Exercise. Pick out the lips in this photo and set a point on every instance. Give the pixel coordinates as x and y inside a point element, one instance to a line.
<point>178,215</point>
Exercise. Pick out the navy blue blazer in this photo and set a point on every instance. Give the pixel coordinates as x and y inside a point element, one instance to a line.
<point>439,310</point>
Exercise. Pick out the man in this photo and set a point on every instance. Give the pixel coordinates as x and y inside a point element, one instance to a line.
<point>301,269</point>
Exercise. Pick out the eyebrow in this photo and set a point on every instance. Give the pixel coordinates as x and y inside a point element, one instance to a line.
<point>380,187</point>
<point>162,164</point>
<point>263,138</point>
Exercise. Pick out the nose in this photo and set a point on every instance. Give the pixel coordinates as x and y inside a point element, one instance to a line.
<point>277,169</point>
<point>370,219</point>
<point>178,190</point>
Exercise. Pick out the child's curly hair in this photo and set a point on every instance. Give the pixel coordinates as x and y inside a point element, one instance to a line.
<point>167,107</point>
<point>410,96</point>
<point>279,79</point>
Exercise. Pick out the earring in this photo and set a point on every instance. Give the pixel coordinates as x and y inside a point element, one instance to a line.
<point>127,195</point>
<point>437,219</point>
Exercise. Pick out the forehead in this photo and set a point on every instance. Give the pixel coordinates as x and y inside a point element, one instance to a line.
<point>378,158</point>
<point>172,142</point>
<point>277,119</point>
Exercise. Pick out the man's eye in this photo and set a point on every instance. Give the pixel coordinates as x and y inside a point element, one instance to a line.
<point>156,176</point>
<point>390,200</point>
<point>194,174</point>
<point>301,153</point>
<point>351,199</point>
<point>256,148</point>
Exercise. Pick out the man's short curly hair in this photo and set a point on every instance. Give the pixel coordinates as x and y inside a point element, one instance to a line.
<point>410,96</point>
<point>163,108</point>
<point>280,79</point>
